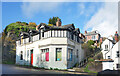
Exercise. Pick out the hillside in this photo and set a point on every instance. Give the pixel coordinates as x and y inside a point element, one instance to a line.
<point>9,36</point>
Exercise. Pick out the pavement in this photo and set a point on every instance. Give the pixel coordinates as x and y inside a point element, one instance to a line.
<point>11,70</point>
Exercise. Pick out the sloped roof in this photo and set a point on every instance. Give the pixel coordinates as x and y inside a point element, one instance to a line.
<point>92,33</point>
<point>68,26</point>
<point>111,41</point>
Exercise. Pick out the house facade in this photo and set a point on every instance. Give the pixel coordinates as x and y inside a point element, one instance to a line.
<point>50,47</point>
<point>94,35</point>
<point>111,54</point>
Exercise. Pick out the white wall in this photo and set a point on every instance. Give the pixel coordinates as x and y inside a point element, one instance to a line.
<point>108,52</point>
<point>51,43</point>
<point>107,65</point>
<point>114,55</point>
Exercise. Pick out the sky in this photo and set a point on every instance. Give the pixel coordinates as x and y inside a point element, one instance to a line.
<point>90,16</point>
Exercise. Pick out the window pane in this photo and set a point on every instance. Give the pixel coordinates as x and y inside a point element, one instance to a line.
<point>47,56</point>
<point>58,54</point>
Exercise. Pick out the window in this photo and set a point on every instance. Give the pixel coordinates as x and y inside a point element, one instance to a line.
<point>21,55</point>
<point>63,33</point>
<point>78,39</point>
<point>108,57</point>
<point>118,53</point>
<point>27,53</point>
<point>21,39</point>
<point>70,53</point>
<point>51,33</point>
<point>42,34</point>
<point>58,54</point>
<point>118,65</point>
<point>45,54</point>
<point>93,37</point>
<point>30,38</point>
<point>72,36</point>
<point>77,53</point>
<point>106,47</point>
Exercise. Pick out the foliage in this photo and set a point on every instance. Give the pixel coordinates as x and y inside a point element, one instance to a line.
<point>7,62</point>
<point>50,24</point>
<point>88,49</point>
<point>32,24</point>
<point>9,36</point>
<point>86,68</point>
<point>53,20</point>
<point>51,68</point>
<point>18,27</point>
<point>56,69</point>
<point>98,56</point>
<point>77,64</point>
<point>91,60</point>
<point>90,42</point>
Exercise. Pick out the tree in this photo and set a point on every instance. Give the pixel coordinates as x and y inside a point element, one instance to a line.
<point>53,20</point>
<point>90,42</point>
<point>88,48</point>
<point>50,24</point>
<point>32,24</point>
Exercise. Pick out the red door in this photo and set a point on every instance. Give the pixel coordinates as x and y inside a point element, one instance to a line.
<point>32,59</point>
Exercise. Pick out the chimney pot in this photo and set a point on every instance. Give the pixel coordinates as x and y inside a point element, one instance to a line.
<point>58,23</point>
<point>85,32</point>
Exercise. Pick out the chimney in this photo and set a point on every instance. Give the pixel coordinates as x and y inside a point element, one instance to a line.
<point>58,23</point>
<point>101,40</point>
<point>37,28</point>
<point>85,32</point>
<point>116,36</point>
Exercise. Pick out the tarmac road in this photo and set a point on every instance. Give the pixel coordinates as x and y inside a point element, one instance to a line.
<point>13,70</point>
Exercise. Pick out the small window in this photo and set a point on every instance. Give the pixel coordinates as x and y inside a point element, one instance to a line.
<point>106,47</point>
<point>70,53</point>
<point>42,34</point>
<point>58,54</point>
<point>93,37</point>
<point>27,53</point>
<point>118,65</point>
<point>21,55</point>
<point>21,39</point>
<point>108,57</point>
<point>118,53</point>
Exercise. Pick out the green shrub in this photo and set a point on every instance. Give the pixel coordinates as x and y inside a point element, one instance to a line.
<point>71,67</point>
<point>77,64</point>
<point>51,68</point>
<point>56,69</point>
<point>91,60</point>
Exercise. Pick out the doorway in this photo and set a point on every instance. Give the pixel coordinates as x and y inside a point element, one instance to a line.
<point>32,57</point>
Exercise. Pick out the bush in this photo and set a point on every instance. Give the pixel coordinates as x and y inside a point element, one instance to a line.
<point>51,68</point>
<point>77,64</point>
<point>91,60</point>
<point>90,42</point>
<point>56,69</point>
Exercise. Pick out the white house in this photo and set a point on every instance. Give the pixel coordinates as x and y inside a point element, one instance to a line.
<point>111,54</point>
<point>50,47</point>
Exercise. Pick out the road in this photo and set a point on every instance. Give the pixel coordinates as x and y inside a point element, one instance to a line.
<point>12,70</point>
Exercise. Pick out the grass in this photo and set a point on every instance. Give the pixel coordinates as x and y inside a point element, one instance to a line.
<point>88,71</point>
<point>7,62</point>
